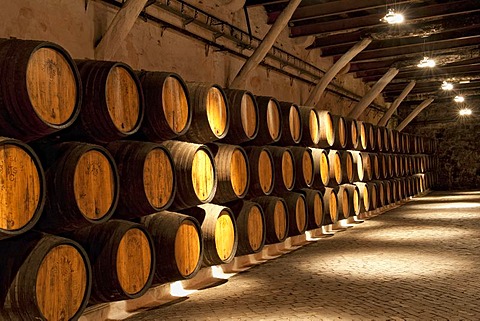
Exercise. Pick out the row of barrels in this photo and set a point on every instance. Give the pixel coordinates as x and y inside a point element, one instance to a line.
<point>44,91</point>
<point>86,184</point>
<point>55,277</point>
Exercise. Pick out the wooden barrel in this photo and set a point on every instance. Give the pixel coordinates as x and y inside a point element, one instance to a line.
<point>178,245</point>
<point>270,121</point>
<point>297,213</point>
<point>315,208</point>
<point>388,192</point>
<point>276,218</point>
<point>368,195</point>
<point>233,172</point>
<point>336,172</point>
<point>40,89</point>
<point>326,131</point>
<point>262,171</point>
<point>219,231</point>
<point>251,228</point>
<point>376,174</point>
<point>380,188</point>
<point>368,166</point>
<point>147,178</point>
<point>348,200</point>
<point>168,113</point>
<point>391,140</point>
<point>362,136</point>
<point>396,137</point>
<point>210,113</point>
<point>284,165</point>
<point>83,186</point>
<point>321,167</point>
<point>352,133</point>
<point>346,158</point>
<point>378,136</point>
<point>22,188</point>
<point>358,170</point>
<point>371,138</point>
<point>304,166</point>
<point>195,173</point>
<point>43,277</point>
<point>395,165</point>
<point>123,259</point>
<point>385,138</point>
<point>310,123</point>
<point>113,105</point>
<point>244,117</point>
<point>383,166</point>
<point>292,124</point>
<point>340,132</point>
<point>330,202</point>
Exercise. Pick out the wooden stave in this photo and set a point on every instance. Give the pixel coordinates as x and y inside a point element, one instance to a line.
<point>223,154</point>
<point>352,188</point>
<point>199,131</point>
<point>268,203</point>
<point>352,140</point>
<point>340,130</point>
<point>183,171</point>
<point>241,209</point>
<point>371,139</point>
<point>307,139</point>
<point>335,179</point>
<point>130,158</point>
<point>34,127</point>
<point>326,135</point>
<point>61,160</point>
<point>159,225</point>
<point>23,253</point>
<point>330,218</point>
<point>236,134</point>
<point>206,214</point>
<point>155,126</point>
<point>286,139</point>
<point>362,136</point>
<point>106,287</point>
<point>263,135</point>
<point>91,124</point>
<point>255,188</point>
<point>277,154</point>
<point>358,170</point>
<point>298,154</point>
<point>42,194</point>
<point>346,158</point>
<point>309,199</point>
<point>319,181</point>
<point>291,199</point>
<point>378,134</point>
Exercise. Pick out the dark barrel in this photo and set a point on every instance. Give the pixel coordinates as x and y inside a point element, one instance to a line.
<point>326,131</point>
<point>219,231</point>
<point>304,166</point>
<point>262,171</point>
<point>340,132</point>
<point>276,218</point>
<point>321,167</point>
<point>297,213</point>
<point>362,136</point>
<point>113,104</point>
<point>43,277</point>
<point>348,200</point>
<point>210,113</point>
<point>251,226</point>
<point>336,172</point>
<point>284,165</point>
<point>330,203</point>
<point>270,121</point>
<point>244,116</point>
<point>178,245</point>
<point>195,173</point>
<point>40,89</point>
<point>310,125</point>
<point>168,113</point>
<point>123,259</point>
<point>83,186</point>
<point>352,133</point>
<point>233,172</point>
<point>346,158</point>
<point>22,188</point>
<point>292,127</point>
<point>315,208</point>
<point>147,178</point>
<point>371,138</point>
<point>358,169</point>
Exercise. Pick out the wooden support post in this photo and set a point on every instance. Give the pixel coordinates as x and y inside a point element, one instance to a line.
<point>414,114</point>
<point>266,44</point>
<point>388,114</point>
<point>118,29</point>
<point>373,93</point>
<point>334,70</point>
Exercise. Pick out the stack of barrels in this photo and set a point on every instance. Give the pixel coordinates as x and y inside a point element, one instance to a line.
<point>112,180</point>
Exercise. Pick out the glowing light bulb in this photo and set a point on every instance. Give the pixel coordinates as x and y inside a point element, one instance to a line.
<point>447,85</point>
<point>465,112</point>
<point>426,63</point>
<point>459,99</point>
<point>393,18</point>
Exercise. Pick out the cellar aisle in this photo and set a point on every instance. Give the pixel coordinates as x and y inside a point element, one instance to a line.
<point>418,262</point>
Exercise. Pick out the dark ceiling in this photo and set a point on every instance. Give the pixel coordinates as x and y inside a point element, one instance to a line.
<point>445,30</point>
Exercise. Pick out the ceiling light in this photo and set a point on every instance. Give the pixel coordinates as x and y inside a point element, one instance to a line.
<point>426,62</point>
<point>464,82</point>
<point>459,99</point>
<point>465,112</point>
<point>447,85</point>
<point>393,18</point>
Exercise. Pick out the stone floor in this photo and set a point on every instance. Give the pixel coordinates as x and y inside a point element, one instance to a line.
<point>420,261</point>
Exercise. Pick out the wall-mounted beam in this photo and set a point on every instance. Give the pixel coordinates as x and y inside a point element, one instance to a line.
<point>388,114</point>
<point>414,114</point>
<point>373,93</point>
<point>334,70</point>
<point>118,29</point>
<point>266,44</point>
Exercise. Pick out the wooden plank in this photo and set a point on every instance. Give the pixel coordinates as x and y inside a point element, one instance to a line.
<point>386,117</point>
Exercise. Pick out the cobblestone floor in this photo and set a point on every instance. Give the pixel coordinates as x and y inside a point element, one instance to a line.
<point>420,261</point>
